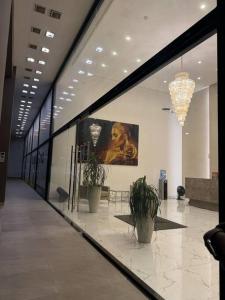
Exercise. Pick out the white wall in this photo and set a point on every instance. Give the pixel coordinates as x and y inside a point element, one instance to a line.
<point>196,143</point>
<point>15,158</point>
<point>160,138</point>
<point>213,128</point>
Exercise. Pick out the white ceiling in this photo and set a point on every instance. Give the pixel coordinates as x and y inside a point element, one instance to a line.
<point>65,29</point>
<point>136,30</point>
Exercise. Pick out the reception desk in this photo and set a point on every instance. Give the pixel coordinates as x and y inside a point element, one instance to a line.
<point>203,193</point>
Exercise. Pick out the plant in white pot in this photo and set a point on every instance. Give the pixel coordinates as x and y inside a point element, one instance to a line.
<point>94,176</point>
<point>144,205</point>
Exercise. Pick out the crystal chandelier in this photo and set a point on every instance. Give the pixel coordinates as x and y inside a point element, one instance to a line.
<point>95,130</point>
<point>181,91</point>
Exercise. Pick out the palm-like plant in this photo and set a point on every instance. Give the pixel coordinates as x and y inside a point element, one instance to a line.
<point>94,173</point>
<point>144,200</point>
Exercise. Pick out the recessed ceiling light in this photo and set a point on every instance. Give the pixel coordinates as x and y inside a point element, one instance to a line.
<point>65,93</point>
<point>203,6</point>
<point>38,72</point>
<point>125,71</point>
<point>89,61</point>
<point>21,105</point>
<point>70,87</point>
<point>30,59</point>
<point>187,133</point>
<point>60,107</point>
<point>36,79</point>
<point>23,101</point>
<point>75,80</point>
<point>81,72</point>
<point>199,62</point>
<point>28,106</point>
<point>61,98</point>
<point>103,65</point>
<point>68,99</point>
<point>138,60</point>
<point>44,49</point>
<point>24,91</point>
<point>34,86</point>
<point>26,85</point>
<point>99,49</point>
<point>29,102</point>
<point>32,93</point>
<point>49,34</point>
<point>164,81</point>
<point>127,38</point>
<point>89,74</point>
<point>199,78</point>
<point>72,94</point>
<point>18,125</point>
<point>114,53</point>
<point>41,62</point>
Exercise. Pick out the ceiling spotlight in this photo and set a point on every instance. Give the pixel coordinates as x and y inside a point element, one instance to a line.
<point>81,72</point>
<point>28,106</point>
<point>49,34</point>
<point>22,101</point>
<point>32,93</point>
<point>65,93</point>
<point>68,99</point>
<point>187,133</point>
<point>89,74</point>
<point>21,105</point>
<point>41,62</point>
<point>70,87</point>
<point>138,60</point>
<point>36,79</point>
<point>29,102</point>
<point>127,38</point>
<point>44,49</point>
<point>164,81</point>
<point>89,61</point>
<point>125,71</point>
<point>61,98</point>
<point>24,91</point>
<point>26,85</point>
<point>34,86</point>
<point>199,78</point>
<point>114,53</point>
<point>103,65</point>
<point>75,80</point>
<point>38,72</point>
<point>203,6</point>
<point>30,59</point>
<point>72,94</point>
<point>18,125</point>
<point>199,62</point>
<point>99,49</point>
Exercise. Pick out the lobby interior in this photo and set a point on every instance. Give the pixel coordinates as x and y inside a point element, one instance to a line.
<point>112,87</point>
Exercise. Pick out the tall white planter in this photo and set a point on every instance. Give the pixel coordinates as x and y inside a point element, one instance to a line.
<point>145,227</point>
<point>94,194</point>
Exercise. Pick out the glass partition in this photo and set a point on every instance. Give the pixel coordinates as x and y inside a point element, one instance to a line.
<point>42,169</point>
<point>35,133</point>
<point>33,166</point>
<point>27,168</point>
<point>45,120</point>
<point>107,55</point>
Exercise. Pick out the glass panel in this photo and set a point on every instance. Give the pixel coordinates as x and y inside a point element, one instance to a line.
<point>42,169</point>
<point>45,120</point>
<point>30,140</point>
<point>138,135</point>
<point>33,168</point>
<point>27,169</point>
<point>35,133</point>
<point>62,168</point>
<point>107,55</point>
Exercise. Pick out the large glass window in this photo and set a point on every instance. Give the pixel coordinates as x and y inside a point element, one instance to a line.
<point>35,133</point>
<point>42,169</point>
<point>27,168</point>
<point>33,167</point>
<point>45,120</point>
<point>107,55</point>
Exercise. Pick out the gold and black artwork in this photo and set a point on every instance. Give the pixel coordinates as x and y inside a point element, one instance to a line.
<point>114,143</point>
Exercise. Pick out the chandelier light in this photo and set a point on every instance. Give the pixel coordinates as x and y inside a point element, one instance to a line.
<point>181,91</point>
<point>95,131</point>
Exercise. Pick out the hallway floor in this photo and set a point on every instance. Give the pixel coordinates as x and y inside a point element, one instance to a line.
<point>42,257</point>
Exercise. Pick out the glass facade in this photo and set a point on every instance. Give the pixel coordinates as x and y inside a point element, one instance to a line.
<point>137,135</point>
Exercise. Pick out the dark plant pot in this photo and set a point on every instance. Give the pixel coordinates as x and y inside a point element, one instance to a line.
<point>94,194</point>
<point>145,227</point>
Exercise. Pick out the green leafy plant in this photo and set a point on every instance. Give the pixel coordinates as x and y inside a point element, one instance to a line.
<point>94,173</point>
<point>144,200</point>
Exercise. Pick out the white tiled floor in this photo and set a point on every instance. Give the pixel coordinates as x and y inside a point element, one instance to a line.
<point>176,264</point>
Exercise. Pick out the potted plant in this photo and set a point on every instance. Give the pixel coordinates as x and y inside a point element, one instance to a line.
<point>94,176</point>
<point>144,204</point>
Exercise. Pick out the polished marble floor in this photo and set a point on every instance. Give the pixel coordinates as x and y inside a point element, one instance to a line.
<point>176,264</point>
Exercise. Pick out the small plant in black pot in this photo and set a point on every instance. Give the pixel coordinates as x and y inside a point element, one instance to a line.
<point>144,205</point>
<point>94,176</point>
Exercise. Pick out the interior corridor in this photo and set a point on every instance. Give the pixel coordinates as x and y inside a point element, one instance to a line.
<point>43,257</point>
